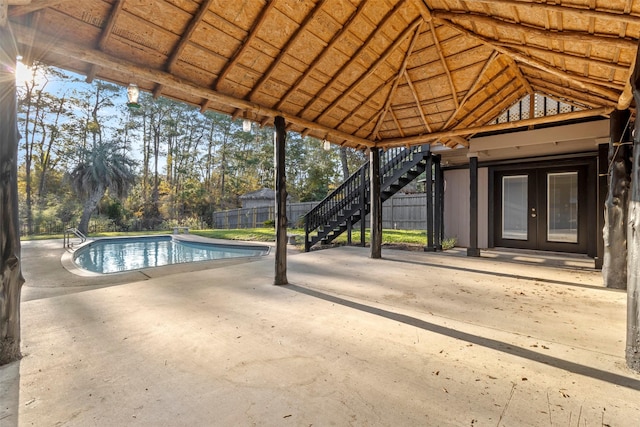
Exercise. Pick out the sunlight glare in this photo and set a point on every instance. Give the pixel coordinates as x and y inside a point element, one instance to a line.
<point>23,73</point>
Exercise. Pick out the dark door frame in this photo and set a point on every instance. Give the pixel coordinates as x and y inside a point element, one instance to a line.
<point>588,214</point>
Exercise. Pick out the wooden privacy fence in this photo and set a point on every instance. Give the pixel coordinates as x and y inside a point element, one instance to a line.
<point>402,212</point>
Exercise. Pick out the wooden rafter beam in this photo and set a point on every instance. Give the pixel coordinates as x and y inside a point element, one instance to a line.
<point>397,42</point>
<point>184,41</point>
<point>394,87</point>
<point>354,57</point>
<point>337,37</point>
<point>568,95</point>
<point>590,13</point>
<point>416,98</point>
<point>472,89</point>
<point>33,6</point>
<point>285,49</point>
<point>564,55</point>
<point>106,33</point>
<point>577,81</point>
<point>443,60</point>
<point>426,138</point>
<point>31,37</point>
<point>519,76</point>
<point>533,33</point>
<point>627,93</point>
<point>395,121</point>
<point>507,94</point>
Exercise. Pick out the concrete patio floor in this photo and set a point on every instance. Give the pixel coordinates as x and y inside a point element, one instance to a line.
<point>413,339</point>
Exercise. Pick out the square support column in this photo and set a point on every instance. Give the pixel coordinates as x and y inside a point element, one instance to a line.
<point>473,250</point>
<point>376,203</point>
<point>438,205</point>
<point>428,184</point>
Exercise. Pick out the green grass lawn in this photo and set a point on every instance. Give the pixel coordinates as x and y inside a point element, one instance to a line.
<point>389,236</point>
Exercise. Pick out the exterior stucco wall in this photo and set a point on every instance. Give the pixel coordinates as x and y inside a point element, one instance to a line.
<point>456,206</point>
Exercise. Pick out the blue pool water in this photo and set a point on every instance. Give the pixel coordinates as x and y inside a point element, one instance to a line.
<point>123,254</point>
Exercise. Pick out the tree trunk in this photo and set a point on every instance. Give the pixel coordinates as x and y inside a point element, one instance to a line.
<point>281,203</point>
<point>614,266</point>
<point>11,279</point>
<point>90,206</point>
<point>344,162</point>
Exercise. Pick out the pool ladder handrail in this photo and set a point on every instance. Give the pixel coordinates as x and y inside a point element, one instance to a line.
<point>66,243</point>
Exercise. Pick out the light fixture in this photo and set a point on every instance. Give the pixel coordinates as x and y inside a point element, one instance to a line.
<point>326,145</point>
<point>133,93</point>
<point>246,125</point>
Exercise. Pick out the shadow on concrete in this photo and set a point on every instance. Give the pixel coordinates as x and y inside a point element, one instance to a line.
<point>504,275</point>
<point>10,394</point>
<point>555,362</point>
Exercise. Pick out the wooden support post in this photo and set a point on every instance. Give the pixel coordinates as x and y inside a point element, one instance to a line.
<point>633,239</point>
<point>376,203</point>
<point>473,250</point>
<point>614,267</point>
<point>281,203</point>
<point>363,207</point>
<point>428,184</point>
<point>438,205</point>
<point>11,279</point>
<point>603,165</point>
<point>633,245</point>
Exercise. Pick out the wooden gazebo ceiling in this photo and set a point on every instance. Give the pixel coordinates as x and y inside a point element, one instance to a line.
<point>360,73</point>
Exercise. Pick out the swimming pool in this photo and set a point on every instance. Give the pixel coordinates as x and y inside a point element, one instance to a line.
<point>133,253</point>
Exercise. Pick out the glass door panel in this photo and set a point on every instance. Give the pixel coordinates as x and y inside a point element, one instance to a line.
<point>514,207</point>
<point>562,207</point>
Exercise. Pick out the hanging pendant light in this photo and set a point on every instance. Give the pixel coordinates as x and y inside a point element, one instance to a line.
<point>326,145</point>
<point>133,93</point>
<point>246,125</point>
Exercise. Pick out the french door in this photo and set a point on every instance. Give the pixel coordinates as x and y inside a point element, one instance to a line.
<point>542,208</point>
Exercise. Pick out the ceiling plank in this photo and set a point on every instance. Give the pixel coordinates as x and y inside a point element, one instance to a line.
<point>31,37</point>
<point>472,89</point>
<point>398,41</point>
<point>319,58</point>
<point>426,138</point>
<point>354,57</point>
<point>353,112</point>
<point>536,33</point>
<point>104,35</point>
<point>590,13</point>
<point>285,49</point>
<point>537,64</point>
<point>436,42</point>
<point>245,44</point>
<point>184,41</point>
<point>394,87</point>
<point>425,122</point>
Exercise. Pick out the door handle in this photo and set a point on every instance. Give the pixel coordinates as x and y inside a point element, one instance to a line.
<point>533,213</point>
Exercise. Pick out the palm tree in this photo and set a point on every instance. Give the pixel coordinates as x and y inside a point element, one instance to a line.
<point>102,168</point>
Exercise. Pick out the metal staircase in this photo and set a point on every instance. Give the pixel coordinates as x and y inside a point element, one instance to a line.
<point>349,203</point>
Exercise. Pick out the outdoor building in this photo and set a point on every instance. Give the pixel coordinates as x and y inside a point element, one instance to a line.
<point>258,198</point>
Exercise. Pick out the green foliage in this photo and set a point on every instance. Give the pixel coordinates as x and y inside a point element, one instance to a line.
<point>189,164</point>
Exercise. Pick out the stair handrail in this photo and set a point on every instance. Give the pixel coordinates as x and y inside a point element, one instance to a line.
<point>391,160</point>
<point>66,242</point>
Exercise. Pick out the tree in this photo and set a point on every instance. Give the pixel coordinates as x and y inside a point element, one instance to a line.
<point>104,168</point>
<point>11,279</point>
